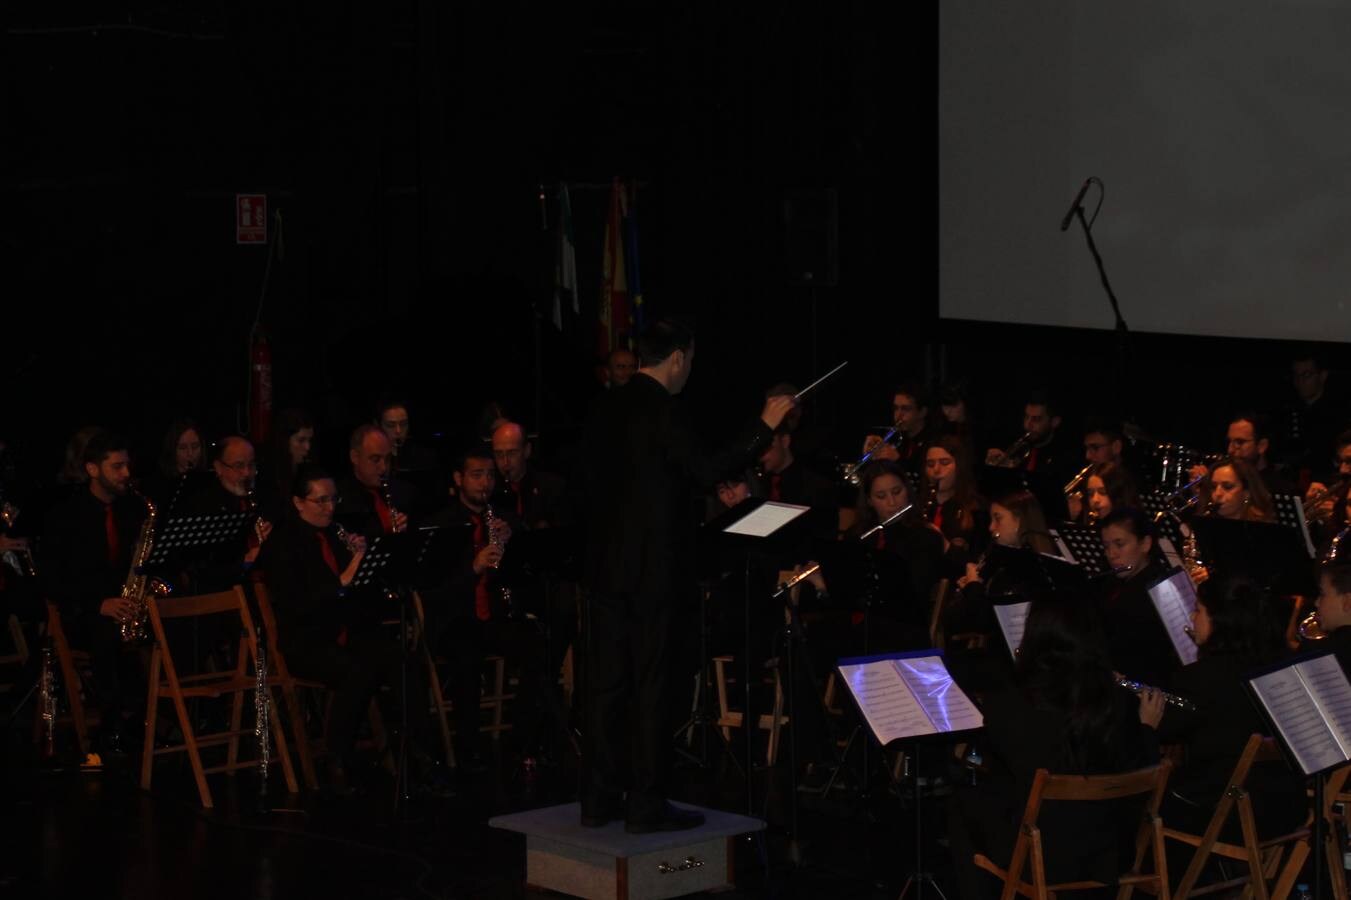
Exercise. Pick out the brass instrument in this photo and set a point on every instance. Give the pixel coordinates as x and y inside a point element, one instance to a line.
<point>1171,699</point>
<point>895,437</point>
<point>1311,510</point>
<point>1077,482</point>
<point>139,586</point>
<point>1310,627</point>
<point>1188,496</point>
<point>1017,451</point>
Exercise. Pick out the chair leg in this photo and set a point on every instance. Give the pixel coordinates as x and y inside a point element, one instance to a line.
<point>243,654</point>
<point>184,722</point>
<point>776,718</point>
<point>298,734</point>
<point>439,704</point>
<point>1256,870</point>
<point>151,715</point>
<point>499,691</point>
<point>1294,864</point>
<point>71,678</point>
<point>720,673</point>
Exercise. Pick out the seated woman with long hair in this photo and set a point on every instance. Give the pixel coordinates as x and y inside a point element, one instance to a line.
<point>1234,490</point>
<point>1107,486</point>
<point>1137,642</point>
<point>1062,711</point>
<point>290,444</point>
<point>1237,629</point>
<point>950,501</point>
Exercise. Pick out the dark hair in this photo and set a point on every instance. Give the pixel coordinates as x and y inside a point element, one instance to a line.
<point>478,450</point>
<point>168,458</point>
<point>218,448</point>
<point>359,435</point>
<point>1133,519</point>
<point>1260,505</point>
<point>1062,665</point>
<point>662,338</point>
<point>101,445</point>
<point>964,490</point>
<point>287,424</point>
<point>1032,531</point>
<point>306,475</point>
<point>867,476</point>
<point>1117,482</point>
<point>1343,439</point>
<point>952,393</point>
<point>915,391</point>
<point>1243,621</point>
<point>1338,574</point>
<point>1043,397</point>
<point>1261,423</point>
<point>72,469</point>
<point>1106,427</point>
<point>388,403</point>
<point>1312,354</point>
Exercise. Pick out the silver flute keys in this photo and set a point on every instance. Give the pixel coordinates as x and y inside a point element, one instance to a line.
<point>1171,699</point>
<point>262,700</point>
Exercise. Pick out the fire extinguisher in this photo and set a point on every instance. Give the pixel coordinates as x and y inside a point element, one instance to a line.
<point>260,388</point>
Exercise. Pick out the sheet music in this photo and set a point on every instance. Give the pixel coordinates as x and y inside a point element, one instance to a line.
<point>944,703</point>
<point>1327,684</point>
<point>1291,707</point>
<point>887,702</point>
<point>766,519</point>
<point>1013,622</point>
<point>1175,599</point>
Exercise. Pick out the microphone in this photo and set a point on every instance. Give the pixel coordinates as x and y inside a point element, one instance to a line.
<point>1078,201</point>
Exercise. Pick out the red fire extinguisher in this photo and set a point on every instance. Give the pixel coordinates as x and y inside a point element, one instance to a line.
<point>260,388</point>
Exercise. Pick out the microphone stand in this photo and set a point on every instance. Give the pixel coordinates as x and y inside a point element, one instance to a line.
<point>1122,332</point>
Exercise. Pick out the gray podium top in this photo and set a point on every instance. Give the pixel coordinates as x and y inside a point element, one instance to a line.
<point>563,824</point>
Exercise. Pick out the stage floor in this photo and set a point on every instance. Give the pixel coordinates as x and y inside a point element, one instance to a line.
<point>75,835</point>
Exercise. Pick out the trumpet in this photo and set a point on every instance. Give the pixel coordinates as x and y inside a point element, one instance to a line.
<point>1136,687</point>
<point>1310,628</point>
<point>1311,510</point>
<point>1170,503</point>
<point>1018,450</point>
<point>895,437</point>
<point>1077,482</point>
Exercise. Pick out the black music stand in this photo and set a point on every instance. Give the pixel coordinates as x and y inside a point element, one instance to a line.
<point>1081,544</point>
<point>1290,513</point>
<point>1273,555</point>
<point>187,537</point>
<point>755,525</point>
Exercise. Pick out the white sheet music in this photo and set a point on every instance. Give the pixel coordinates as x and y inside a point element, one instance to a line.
<point>947,707</point>
<point>1175,599</point>
<point>1291,707</point>
<point>766,519</point>
<point>1331,692</point>
<point>903,698</point>
<point>1013,622</point>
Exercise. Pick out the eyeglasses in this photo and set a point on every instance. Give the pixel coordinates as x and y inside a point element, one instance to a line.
<point>1094,448</point>
<point>323,501</point>
<point>241,466</point>
<point>1239,442</point>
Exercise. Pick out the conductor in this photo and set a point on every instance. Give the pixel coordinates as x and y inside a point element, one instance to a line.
<point>642,473</point>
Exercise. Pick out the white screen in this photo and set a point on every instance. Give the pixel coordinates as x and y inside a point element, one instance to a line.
<point>1222,131</point>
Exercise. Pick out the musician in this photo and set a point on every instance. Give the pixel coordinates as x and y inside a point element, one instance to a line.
<point>88,546</point>
<point>787,480</point>
<point>1334,611</point>
<point>1106,487</point>
<point>1061,711</point>
<point>1329,515</point>
<point>328,630</point>
<point>1235,490</point>
<point>230,491</point>
<point>1250,441</point>
<point>409,456</point>
<point>950,500</point>
<point>1046,452</point>
<point>538,499</point>
<point>290,443</point>
<point>642,473</point>
<point>181,457</point>
<point>372,502</point>
<point>955,404</point>
<point>469,617</point>
<point>1137,642</point>
<point>1237,629</point>
<point>1314,416</point>
<point>914,432</point>
<point>620,367</point>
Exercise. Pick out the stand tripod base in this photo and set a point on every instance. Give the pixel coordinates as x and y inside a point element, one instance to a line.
<point>919,881</point>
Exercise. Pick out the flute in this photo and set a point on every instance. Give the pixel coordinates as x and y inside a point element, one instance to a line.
<point>1171,699</point>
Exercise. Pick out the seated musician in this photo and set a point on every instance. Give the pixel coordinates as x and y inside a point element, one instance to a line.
<point>957,420</point>
<point>1249,442</point>
<point>469,614</point>
<point>230,491</point>
<point>1314,415</point>
<point>1106,487</point>
<point>1137,642</point>
<point>1237,629</point>
<point>328,630</point>
<point>1103,442</point>
<point>373,503</point>
<point>914,429</point>
<point>289,443</point>
<point>1062,711</point>
<point>538,499</point>
<point>951,502</point>
<point>1234,490</point>
<point>412,462</point>
<point>1043,448</point>
<point>87,549</point>
<point>1325,501</point>
<point>1334,611</point>
<point>182,456</point>
<point>788,480</point>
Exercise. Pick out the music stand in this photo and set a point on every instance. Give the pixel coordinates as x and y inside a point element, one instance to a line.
<point>1081,544</point>
<point>1290,513</point>
<point>1275,556</point>
<point>755,524</point>
<point>190,536</point>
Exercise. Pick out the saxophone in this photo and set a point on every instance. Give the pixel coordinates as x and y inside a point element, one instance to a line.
<point>138,585</point>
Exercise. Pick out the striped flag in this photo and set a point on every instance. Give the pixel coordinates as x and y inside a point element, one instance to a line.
<point>614,319</point>
<point>565,260</point>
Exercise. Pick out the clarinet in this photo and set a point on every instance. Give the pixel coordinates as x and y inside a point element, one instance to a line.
<point>387,494</point>
<point>489,520</point>
<point>48,699</point>
<point>262,700</point>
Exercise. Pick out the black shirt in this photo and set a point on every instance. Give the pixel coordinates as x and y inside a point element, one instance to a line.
<point>75,567</point>
<point>311,604</point>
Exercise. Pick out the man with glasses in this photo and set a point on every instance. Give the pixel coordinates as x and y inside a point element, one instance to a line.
<point>1249,439</point>
<point>373,501</point>
<point>230,491</point>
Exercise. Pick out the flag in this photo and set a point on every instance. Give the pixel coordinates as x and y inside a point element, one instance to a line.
<point>565,260</point>
<point>614,321</point>
<point>631,260</point>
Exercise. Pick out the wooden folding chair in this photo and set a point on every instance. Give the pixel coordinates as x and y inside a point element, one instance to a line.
<point>1262,857</point>
<point>1334,792</point>
<point>1027,850</point>
<point>70,662</point>
<point>773,721</point>
<point>234,683</point>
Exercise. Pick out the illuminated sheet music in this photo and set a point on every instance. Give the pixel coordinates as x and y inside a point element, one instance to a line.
<point>1175,600</point>
<point>1297,718</point>
<point>908,697</point>
<point>1327,684</point>
<point>1013,622</point>
<point>766,519</point>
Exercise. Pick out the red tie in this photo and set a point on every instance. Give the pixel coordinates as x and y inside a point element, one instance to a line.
<point>382,510</point>
<point>881,540</point>
<point>329,559</point>
<point>110,530</point>
<point>938,519</point>
<point>776,486</point>
<point>1031,461</point>
<point>483,607</point>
